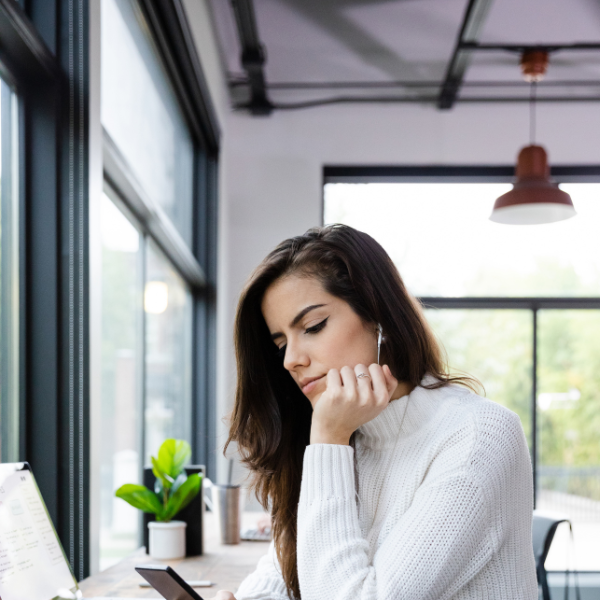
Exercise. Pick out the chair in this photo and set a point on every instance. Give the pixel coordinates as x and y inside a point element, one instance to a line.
<point>543,530</point>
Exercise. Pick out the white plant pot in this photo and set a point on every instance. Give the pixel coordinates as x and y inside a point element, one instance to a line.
<point>167,540</point>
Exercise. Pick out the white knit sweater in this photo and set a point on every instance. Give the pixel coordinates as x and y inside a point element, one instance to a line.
<point>440,508</point>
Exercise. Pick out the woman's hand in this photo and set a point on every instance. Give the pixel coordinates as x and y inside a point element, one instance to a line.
<point>349,402</point>
<point>223,595</point>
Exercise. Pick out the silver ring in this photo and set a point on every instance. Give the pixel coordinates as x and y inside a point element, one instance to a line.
<point>361,375</point>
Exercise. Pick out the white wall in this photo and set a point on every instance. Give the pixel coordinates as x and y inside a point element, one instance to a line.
<point>273,168</point>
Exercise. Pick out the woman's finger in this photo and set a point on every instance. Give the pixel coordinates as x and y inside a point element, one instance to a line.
<point>365,383</point>
<point>334,380</point>
<point>349,382</point>
<point>380,384</point>
<point>224,595</point>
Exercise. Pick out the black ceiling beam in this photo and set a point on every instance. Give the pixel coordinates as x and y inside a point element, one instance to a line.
<point>470,28</point>
<point>449,174</point>
<point>253,57</point>
<point>420,100</point>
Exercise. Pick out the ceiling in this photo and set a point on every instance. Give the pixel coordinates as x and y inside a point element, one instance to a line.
<point>322,51</point>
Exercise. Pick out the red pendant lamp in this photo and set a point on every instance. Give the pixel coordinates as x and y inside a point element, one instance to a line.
<point>535,198</point>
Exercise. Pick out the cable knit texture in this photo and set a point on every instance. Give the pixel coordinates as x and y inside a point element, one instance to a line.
<point>436,507</point>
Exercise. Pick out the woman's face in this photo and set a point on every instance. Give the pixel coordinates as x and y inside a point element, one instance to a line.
<point>315,332</point>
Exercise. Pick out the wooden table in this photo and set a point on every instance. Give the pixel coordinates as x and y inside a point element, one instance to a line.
<point>225,565</point>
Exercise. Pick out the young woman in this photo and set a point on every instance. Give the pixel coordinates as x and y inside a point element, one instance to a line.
<point>385,476</point>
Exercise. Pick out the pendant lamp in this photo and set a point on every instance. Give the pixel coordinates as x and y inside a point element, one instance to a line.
<point>535,198</point>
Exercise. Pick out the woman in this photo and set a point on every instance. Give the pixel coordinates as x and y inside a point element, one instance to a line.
<point>385,476</point>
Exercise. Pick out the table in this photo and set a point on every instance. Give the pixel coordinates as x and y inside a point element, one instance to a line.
<point>226,565</point>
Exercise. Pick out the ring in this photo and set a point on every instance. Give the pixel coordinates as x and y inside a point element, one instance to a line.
<point>361,375</point>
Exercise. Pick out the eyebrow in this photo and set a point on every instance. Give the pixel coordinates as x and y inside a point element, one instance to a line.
<point>297,318</point>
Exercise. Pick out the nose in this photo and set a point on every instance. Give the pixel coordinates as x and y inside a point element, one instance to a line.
<point>295,356</point>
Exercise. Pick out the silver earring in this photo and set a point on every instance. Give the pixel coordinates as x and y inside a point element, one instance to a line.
<point>379,338</point>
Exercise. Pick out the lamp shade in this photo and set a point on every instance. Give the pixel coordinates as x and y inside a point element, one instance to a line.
<point>535,198</point>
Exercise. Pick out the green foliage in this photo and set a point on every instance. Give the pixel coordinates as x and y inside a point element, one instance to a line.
<point>139,496</point>
<point>173,489</point>
<point>172,455</point>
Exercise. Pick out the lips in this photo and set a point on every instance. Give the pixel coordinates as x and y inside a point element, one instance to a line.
<point>308,385</point>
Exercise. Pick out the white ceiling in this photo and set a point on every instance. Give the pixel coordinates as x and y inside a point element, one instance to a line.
<point>375,41</point>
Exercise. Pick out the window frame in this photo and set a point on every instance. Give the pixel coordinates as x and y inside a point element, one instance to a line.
<point>172,37</point>
<point>196,263</point>
<point>51,80</point>
<point>478,174</point>
<point>10,397</point>
<point>46,52</point>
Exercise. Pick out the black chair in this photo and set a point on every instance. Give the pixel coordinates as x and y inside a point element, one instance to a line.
<point>543,530</point>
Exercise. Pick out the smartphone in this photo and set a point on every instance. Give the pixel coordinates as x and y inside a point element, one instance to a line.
<point>167,582</point>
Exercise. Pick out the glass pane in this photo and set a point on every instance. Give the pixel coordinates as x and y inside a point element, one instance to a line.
<point>168,307</point>
<point>440,237</point>
<point>122,320</point>
<point>569,426</point>
<point>141,113</point>
<point>9,277</point>
<point>496,347</point>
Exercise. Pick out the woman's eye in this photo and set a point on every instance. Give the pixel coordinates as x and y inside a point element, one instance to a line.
<point>316,328</point>
<point>281,352</point>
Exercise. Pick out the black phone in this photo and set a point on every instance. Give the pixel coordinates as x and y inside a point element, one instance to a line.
<point>167,582</point>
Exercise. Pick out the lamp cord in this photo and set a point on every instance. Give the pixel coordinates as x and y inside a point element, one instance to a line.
<point>532,123</point>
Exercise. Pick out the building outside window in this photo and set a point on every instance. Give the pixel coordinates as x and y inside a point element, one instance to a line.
<point>519,308</point>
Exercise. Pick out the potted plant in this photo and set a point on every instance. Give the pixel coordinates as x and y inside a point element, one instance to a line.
<point>173,491</point>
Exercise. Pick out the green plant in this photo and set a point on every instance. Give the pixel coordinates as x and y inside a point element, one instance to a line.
<point>173,489</point>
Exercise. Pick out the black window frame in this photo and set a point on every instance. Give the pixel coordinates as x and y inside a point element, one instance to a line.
<point>477,174</point>
<point>44,45</point>
<point>173,39</point>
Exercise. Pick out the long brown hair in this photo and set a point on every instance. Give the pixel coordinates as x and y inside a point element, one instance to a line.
<point>271,417</point>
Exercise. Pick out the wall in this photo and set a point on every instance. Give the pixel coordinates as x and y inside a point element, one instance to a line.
<point>273,169</point>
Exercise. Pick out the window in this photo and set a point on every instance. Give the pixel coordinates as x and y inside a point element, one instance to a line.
<point>441,239</point>
<point>9,277</point>
<point>156,252</point>
<point>168,308</point>
<point>120,378</point>
<point>141,114</point>
<point>73,363</point>
<point>517,307</point>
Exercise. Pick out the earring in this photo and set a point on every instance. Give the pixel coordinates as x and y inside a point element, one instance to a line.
<point>379,338</point>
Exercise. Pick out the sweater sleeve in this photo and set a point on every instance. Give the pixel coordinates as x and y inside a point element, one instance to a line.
<point>266,582</point>
<point>434,549</point>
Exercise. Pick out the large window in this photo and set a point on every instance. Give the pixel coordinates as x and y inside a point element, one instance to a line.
<point>9,277</point>
<point>121,326</point>
<point>517,307</point>
<point>154,267</point>
<point>114,86</point>
<point>157,222</point>
<point>141,113</point>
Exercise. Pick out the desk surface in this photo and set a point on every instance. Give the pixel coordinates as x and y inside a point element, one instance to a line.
<point>225,565</point>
